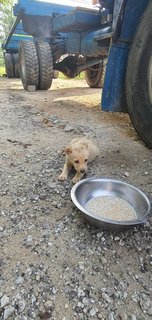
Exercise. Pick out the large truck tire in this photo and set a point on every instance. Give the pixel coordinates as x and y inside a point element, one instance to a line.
<point>139,79</point>
<point>45,58</point>
<point>29,64</point>
<point>15,59</point>
<point>9,65</point>
<point>94,76</point>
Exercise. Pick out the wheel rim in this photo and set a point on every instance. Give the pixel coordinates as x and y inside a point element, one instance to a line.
<point>150,80</point>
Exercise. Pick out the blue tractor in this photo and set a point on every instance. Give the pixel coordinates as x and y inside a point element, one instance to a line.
<point>116,35</point>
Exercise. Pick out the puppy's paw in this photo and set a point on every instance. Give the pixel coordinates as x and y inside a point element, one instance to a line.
<point>62,177</point>
<point>76,179</point>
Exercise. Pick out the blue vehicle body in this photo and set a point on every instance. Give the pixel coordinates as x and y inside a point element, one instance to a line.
<point>14,41</point>
<point>80,32</point>
<point>113,91</point>
<point>27,9</point>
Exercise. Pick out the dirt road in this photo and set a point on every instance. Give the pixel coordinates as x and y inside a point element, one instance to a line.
<point>54,265</point>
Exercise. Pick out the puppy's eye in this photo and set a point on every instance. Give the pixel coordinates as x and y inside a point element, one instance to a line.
<point>76,161</point>
<point>86,160</point>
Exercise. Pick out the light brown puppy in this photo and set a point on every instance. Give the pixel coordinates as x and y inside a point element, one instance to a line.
<point>78,153</point>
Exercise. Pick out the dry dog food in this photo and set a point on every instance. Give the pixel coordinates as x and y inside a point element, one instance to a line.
<point>112,208</point>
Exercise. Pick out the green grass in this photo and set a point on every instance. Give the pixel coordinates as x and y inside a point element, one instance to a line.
<point>2,71</point>
<point>79,77</point>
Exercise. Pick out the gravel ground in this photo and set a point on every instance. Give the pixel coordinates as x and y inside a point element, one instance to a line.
<point>54,265</point>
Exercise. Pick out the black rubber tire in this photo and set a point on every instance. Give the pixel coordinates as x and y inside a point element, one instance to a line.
<point>29,64</point>
<point>15,59</point>
<point>9,65</point>
<point>137,84</point>
<point>95,78</point>
<point>46,73</point>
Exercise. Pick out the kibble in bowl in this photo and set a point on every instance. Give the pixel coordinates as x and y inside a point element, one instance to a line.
<point>111,208</point>
<point>110,203</point>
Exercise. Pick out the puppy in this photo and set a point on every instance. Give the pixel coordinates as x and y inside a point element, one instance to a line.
<point>78,153</point>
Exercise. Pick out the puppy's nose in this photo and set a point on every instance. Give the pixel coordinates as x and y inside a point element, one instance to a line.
<point>82,170</point>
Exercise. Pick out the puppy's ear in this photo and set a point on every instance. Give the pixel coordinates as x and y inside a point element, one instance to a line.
<point>67,150</point>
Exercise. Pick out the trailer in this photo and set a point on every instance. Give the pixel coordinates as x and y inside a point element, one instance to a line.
<point>11,51</point>
<point>115,36</point>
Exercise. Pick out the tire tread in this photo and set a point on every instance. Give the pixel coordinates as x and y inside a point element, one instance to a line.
<point>31,63</point>
<point>45,64</point>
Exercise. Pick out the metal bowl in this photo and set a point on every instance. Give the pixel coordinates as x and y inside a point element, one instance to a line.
<point>88,189</point>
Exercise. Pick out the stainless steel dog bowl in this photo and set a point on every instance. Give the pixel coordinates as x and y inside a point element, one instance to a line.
<point>88,189</point>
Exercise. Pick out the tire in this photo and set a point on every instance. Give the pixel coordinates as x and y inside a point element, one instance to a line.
<point>29,64</point>
<point>9,65</point>
<point>45,65</point>
<point>95,76</point>
<point>139,79</point>
<point>55,74</point>
<point>15,59</point>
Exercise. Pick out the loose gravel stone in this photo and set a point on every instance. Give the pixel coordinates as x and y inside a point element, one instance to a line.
<point>21,306</point>
<point>111,316</point>
<point>149,311</point>
<point>123,316</point>
<point>106,297</point>
<point>133,317</point>
<point>4,301</point>
<point>93,312</point>
<point>29,239</point>
<point>8,312</point>
<point>19,280</point>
